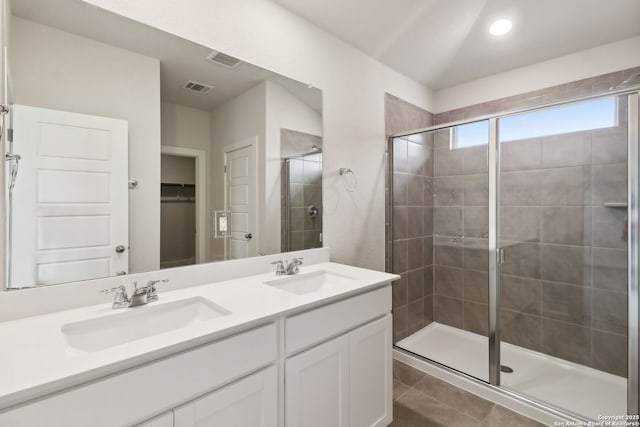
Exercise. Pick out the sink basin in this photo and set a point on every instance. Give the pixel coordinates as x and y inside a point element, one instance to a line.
<point>132,324</point>
<point>305,283</point>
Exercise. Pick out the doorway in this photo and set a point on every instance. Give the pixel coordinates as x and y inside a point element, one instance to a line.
<point>182,202</point>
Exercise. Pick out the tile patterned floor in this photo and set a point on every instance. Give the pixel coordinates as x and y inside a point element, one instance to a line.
<point>420,400</point>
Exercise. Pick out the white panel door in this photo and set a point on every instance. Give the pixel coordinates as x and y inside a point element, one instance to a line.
<point>241,193</point>
<point>249,402</point>
<point>317,386</point>
<point>370,371</point>
<point>164,420</point>
<point>69,208</point>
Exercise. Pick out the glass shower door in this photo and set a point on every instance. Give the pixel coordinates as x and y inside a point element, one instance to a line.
<point>563,229</point>
<point>440,246</point>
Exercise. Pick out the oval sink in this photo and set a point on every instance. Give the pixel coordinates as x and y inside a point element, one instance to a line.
<point>132,324</point>
<point>305,283</point>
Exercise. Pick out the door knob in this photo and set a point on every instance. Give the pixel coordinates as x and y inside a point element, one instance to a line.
<point>120,249</point>
<point>248,236</point>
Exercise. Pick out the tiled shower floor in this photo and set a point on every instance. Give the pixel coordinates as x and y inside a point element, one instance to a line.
<point>579,389</point>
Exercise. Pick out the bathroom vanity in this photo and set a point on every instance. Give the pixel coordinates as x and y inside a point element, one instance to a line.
<point>263,350</point>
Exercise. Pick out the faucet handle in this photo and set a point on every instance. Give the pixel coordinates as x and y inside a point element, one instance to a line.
<point>120,288</point>
<point>154,282</point>
<point>121,299</point>
<point>280,270</point>
<point>152,294</point>
<point>292,266</point>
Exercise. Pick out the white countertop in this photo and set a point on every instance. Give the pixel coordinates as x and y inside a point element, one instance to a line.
<point>36,360</point>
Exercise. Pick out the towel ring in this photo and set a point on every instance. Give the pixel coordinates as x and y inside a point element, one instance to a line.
<point>349,184</point>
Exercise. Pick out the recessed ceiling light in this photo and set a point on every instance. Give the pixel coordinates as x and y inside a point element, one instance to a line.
<point>500,27</point>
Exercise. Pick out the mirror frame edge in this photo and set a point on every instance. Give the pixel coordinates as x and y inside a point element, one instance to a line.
<point>4,85</point>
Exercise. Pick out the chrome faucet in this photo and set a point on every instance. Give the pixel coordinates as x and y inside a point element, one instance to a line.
<point>152,292</point>
<point>121,299</point>
<point>284,268</point>
<point>140,296</point>
<point>280,271</point>
<point>293,266</point>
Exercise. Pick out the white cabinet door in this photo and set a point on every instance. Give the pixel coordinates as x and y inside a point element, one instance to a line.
<point>370,371</point>
<point>164,420</point>
<point>249,402</point>
<point>317,386</point>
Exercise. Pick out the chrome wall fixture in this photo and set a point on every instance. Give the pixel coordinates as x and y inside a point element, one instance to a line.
<point>12,158</point>
<point>496,253</point>
<point>349,179</point>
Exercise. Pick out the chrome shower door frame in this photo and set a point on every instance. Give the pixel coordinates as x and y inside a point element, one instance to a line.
<point>494,253</point>
<point>633,188</point>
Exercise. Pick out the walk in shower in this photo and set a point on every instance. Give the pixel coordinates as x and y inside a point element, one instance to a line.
<point>301,192</point>
<point>516,239</point>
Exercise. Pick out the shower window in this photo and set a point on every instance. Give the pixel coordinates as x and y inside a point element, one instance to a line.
<point>576,117</point>
<point>470,135</point>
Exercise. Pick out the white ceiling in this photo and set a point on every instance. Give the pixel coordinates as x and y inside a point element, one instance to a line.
<point>180,60</point>
<point>441,43</point>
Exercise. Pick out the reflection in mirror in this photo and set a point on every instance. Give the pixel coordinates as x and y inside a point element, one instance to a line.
<point>140,150</point>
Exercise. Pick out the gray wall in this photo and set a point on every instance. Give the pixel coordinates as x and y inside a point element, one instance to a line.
<point>412,169</point>
<point>460,226</point>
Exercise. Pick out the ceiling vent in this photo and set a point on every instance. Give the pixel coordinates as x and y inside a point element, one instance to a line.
<point>223,59</point>
<point>197,87</point>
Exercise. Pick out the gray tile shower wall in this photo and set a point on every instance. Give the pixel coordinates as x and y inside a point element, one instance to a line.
<point>578,88</point>
<point>300,230</point>
<point>411,237</point>
<point>563,286</point>
<point>460,228</point>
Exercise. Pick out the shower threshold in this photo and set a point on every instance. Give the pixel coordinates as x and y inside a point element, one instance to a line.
<point>567,385</point>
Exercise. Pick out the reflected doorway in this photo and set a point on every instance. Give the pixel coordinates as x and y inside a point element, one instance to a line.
<point>182,203</point>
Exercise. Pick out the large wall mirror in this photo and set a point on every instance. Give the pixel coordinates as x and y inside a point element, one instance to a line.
<point>139,150</point>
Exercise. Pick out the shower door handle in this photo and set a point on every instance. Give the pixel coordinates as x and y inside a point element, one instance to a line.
<point>501,257</point>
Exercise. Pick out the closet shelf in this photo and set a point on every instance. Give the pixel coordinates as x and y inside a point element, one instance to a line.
<point>176,184</point>
<point>177,199</point>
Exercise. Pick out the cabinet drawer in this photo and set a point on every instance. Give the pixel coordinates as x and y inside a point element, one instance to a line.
<point>311,327</point>
<point>139,393</point>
